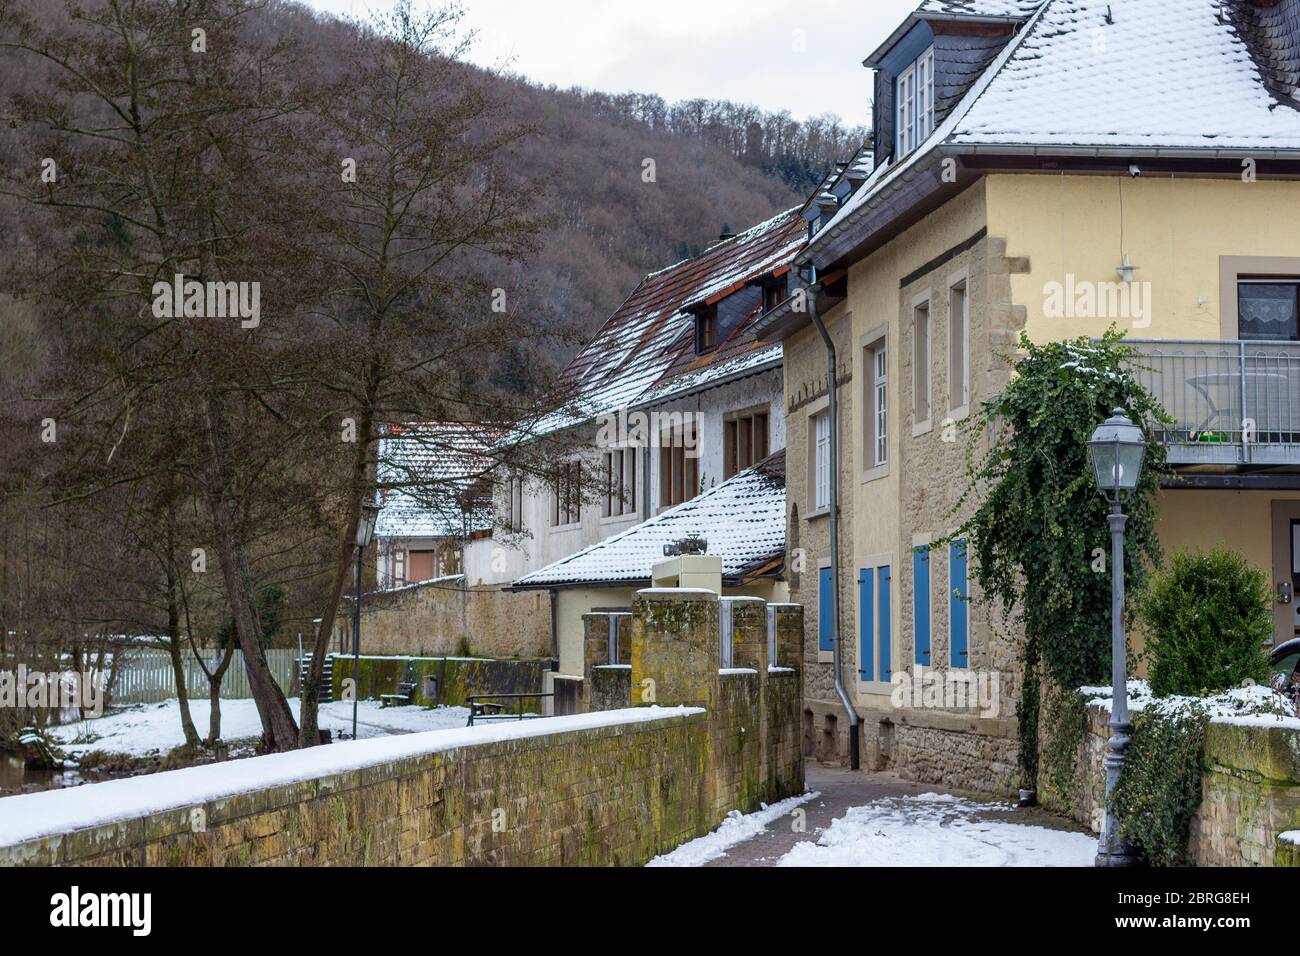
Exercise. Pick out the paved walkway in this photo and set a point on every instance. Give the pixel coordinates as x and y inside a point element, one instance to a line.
<point>841,789</point>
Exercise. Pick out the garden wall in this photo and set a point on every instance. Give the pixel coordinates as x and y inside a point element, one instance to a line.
<point>458,678</point>
<point>433,619</point>
<point>1250,791</point>
<point>617,787</point>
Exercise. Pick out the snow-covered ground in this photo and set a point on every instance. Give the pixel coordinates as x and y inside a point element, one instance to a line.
<point>148,728</point>
<point>930,829</point>
<point>737,828</point>
<point>935,829</point>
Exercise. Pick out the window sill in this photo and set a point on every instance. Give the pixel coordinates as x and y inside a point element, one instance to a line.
<point>819,513</point>
<point>618,519</point>
<point>959,414</point>
<point>556,528</point>
<point>825,657</point>
<point>921,428</point>
<point>875,474</point>
<point>875,688</point>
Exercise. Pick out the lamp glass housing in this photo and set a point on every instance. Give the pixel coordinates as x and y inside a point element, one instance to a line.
<point>1117,451</point>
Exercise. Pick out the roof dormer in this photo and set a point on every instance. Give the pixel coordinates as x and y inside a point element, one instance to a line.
<point>930,61</point>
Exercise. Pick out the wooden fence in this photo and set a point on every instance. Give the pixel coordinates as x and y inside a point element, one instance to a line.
<point>146,676</point>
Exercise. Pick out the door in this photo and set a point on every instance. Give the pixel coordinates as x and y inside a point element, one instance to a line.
<point>1286,570</point>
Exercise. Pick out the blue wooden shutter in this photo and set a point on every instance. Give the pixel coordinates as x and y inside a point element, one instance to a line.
<point>959,640</point>
<point>921,602</point>
<point>886,625</point>
<point>825,632</point>
<point>866,623</point>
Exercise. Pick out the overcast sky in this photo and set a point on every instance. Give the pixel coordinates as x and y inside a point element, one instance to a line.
<point>801,55</point>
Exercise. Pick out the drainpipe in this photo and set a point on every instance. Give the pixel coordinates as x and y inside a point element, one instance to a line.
<point>834,483</point>
<point>555,630</point>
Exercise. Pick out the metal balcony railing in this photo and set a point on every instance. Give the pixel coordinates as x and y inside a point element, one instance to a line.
<point>1233,402</point>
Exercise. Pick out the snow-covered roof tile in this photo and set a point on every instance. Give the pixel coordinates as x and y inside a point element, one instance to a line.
<point>743,520</point>
<point>1177,75</point>
<point>1131,73</point>
<point>642,344</point>
<point>426,472</point>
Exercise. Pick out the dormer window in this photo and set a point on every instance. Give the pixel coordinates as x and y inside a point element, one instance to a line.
<point>914,103</point>
<point>706,330</point>
<point>773,294</point>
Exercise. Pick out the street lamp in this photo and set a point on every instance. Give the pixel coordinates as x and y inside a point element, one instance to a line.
<point>365,531</point>
<point>1116,452</point>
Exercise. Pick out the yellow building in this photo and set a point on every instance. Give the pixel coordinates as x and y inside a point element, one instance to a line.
<point>1055,168</point>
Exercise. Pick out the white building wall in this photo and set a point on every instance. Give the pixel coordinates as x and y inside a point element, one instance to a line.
<point>505,558</point>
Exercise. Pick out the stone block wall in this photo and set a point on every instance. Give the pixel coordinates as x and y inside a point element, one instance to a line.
<point>432,620</point>
<point>612,788</point>
<point>458,678</point>
<point>611,687</point>
<point>1250,791</point>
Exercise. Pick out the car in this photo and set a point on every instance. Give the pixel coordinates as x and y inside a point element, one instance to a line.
<point>1284,662</point>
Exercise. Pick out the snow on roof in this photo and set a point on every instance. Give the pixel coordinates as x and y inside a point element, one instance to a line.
<point>647,340</point>
<point>743,519</point>
<point>1176,75</point>
<point>748,362</point>
<point>426,473</point>
<point>1170,73</point>
<point>978,8</point>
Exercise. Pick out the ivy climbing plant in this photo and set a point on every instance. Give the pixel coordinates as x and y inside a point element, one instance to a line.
<point>1039,531</point>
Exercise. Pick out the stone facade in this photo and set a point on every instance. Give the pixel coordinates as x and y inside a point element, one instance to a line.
<point>888,510</point>
<point>1250,791</point>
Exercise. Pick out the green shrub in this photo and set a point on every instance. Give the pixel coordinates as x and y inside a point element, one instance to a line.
<point>1208,617</point>
<point>1159,789</point>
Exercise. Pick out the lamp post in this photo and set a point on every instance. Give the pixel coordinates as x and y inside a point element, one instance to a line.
<point>365,531</point>
<point>1116,452</point>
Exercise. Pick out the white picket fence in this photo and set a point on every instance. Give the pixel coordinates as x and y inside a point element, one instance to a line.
<point>146,676</point>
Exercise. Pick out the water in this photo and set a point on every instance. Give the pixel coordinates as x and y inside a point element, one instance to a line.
<point>16,778</point>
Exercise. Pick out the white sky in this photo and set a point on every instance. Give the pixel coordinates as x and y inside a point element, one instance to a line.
<point>742,50</point>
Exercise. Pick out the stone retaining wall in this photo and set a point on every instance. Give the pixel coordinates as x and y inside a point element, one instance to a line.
<point>618,787</point>
<point>1250,791</point>
<point>458,678</point>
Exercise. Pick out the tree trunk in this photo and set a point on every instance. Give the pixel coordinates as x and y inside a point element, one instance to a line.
<point>174,651</point>
<point>214,694</point>
<point>279,731</point>
<point>309,710</point>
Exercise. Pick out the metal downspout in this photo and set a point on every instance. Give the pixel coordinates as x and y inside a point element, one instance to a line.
<point>834,484</point>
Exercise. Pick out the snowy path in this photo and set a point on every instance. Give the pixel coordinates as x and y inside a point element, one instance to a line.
<point>935,829</point>
<point>146,728</point>
<point>875,820</point>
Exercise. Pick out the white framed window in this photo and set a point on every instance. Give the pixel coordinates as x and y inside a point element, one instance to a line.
<point>821,461</point>
<point>679,463</point>
<point>745,441</point>
<point>620,483</point>
<point>567,501</point>
<point>924,96</point>
<point>515,489</point>
<point>914,103</point>
<point>399,568</point>
<point>880,404</point>
<point>958,346</point>
<point>921,364</point>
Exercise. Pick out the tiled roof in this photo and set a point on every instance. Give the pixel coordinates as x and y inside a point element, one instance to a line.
<point>979,8</point>
<point>743,520</point>
<point>649,340</point>
<point>425,472</point>
<point>1182,76</point>
<point>1170,73</point>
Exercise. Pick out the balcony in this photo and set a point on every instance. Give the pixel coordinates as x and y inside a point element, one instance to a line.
<point>1234,403</point>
